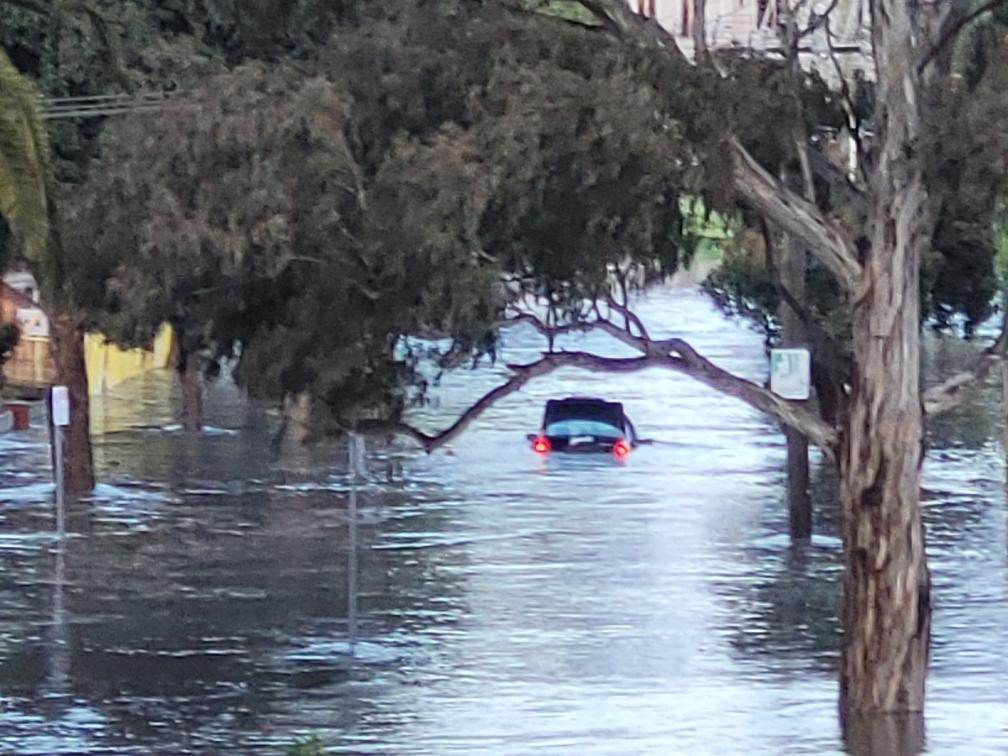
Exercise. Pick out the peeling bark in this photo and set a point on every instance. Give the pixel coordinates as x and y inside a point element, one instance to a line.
<point>887,585</point>
<point>67,340</point>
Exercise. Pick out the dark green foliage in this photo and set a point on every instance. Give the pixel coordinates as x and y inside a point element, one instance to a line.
<point>414,186</point>
<point>968,152</point>
<point>237,220</point>
<point>436,162</point>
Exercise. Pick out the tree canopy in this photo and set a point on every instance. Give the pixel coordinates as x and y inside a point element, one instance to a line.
<point>308,224</point>
<point>24,168</point>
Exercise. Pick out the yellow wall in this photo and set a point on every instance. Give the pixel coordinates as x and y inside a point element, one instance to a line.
<point>29,365</point>
<point>108,365</point>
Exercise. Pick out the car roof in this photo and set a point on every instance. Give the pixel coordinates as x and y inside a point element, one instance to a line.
<point>580,400</point>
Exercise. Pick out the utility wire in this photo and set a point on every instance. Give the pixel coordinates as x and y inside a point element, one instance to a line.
<point>99,106</point>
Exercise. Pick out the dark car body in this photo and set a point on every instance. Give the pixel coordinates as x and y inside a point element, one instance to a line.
<point>584,424</point>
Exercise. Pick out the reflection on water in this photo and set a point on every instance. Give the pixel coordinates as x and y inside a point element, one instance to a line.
<point>213,598</point>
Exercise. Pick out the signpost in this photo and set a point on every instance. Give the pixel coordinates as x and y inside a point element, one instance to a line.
<point>791,373</point>
<point>356,469</point>
<point>60,401</point>
<point>60,660</point>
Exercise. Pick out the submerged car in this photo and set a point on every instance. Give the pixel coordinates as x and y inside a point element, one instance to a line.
<point>584,424</point>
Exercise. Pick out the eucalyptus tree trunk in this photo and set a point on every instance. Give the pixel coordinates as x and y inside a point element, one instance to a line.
<point>887,604</point>
<point>67,341</point>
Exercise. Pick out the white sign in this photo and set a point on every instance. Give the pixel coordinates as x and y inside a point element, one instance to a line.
<point>32,322</point>
<point>60,405</point>
<point>791,373</point>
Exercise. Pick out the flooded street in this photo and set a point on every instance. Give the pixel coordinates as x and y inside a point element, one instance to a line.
<point>214,598</point>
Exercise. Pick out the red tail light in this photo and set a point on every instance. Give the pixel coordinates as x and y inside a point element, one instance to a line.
<point>621,449</point>
<point>541,445</point>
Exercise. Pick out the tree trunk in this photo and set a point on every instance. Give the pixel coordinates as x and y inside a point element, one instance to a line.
<point>887,610</point>
<point>699,31</point>
<point>297,418</point>
<point>799,501</point>
<point>792,272</point>
<point>67,340</point>
<point>192,393</point>
<point>887,603</point>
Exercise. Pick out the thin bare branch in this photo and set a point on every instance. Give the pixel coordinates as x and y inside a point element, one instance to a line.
<point>953,30</point>
<point>545,329</point>
<point>954,391</point>
<point>847,97</point>
<point>798,217</point>
<point>629,316</point>
<point>818,20</point>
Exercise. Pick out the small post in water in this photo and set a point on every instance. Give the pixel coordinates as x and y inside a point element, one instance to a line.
<point>60,661</point>
<point>60,419</point>
<point>356,460</point>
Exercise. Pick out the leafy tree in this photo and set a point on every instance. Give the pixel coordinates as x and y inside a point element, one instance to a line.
<point>24,179</point>
<point>24,167</point>
<point>276,219</point>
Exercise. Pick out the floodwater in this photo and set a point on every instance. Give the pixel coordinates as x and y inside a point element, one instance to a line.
<point>214,597</point>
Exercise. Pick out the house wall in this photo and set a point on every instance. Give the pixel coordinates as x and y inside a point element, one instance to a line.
<point>108,366</point>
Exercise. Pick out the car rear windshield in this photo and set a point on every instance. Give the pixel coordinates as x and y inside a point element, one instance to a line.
<point>610,413</point>
<point>575,427</point>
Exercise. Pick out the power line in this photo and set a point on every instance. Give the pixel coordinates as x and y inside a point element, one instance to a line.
<point>99,106</point>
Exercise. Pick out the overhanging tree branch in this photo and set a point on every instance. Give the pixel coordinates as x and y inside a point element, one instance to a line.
<point>689,362</point>
<point>673,354</point>
<point>797,217</point>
